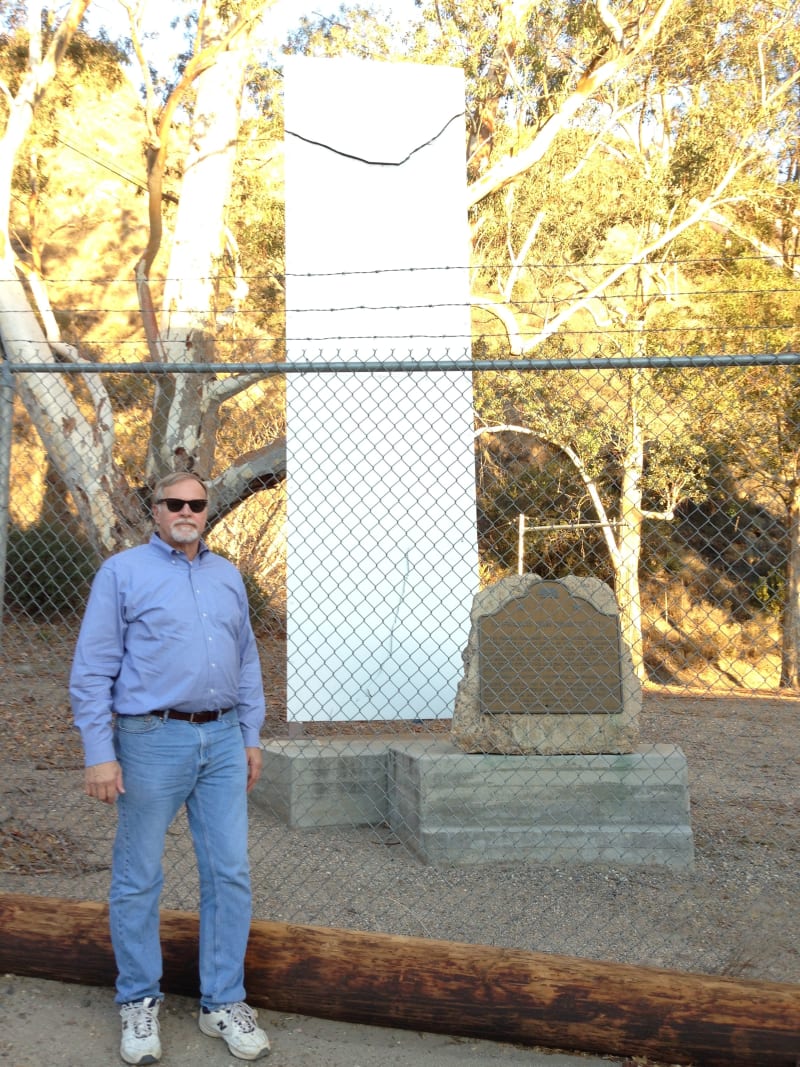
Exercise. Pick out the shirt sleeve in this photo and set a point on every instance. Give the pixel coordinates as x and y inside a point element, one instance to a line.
<point>95,667</point>
<point>251,706</point>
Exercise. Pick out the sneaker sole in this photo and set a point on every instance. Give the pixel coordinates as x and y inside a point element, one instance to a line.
<point>143,1060</point>
<point>211,1032</point>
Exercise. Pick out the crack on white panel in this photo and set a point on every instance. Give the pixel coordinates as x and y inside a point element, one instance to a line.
<point>377,162</point>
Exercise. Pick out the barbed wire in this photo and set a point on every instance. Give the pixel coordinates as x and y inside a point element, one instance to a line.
<point>468,337</point>
<point>481,265</point>
<point>478,303</point>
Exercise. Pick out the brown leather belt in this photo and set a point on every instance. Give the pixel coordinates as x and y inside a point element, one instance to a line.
<point>190,716</point>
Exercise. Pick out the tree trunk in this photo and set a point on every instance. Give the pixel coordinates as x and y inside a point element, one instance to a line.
<point>629,539</point>
<point>440,986</point>
<point>80,451</point>
<point>186,409</point>
<point>510,32</point>
<point>21,108</point>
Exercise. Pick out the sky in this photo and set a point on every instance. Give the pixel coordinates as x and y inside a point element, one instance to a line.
<point>281,17</point>
<point>286,13</point>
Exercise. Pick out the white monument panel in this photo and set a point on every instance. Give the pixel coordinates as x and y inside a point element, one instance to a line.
<point>382,556</point>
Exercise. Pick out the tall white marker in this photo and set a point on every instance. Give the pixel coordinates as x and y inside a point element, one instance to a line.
<point>382,554</point>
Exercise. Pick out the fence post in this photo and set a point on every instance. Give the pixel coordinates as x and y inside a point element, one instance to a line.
<point>6,427</point>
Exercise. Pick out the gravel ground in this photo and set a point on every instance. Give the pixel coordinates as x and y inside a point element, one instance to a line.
<point>734,913</point>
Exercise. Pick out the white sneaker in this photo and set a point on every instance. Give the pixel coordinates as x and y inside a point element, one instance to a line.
<point>236,1023</point>
<point>140,1040</point>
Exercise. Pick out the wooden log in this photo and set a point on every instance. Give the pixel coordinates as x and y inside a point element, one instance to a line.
<point>439,986</point>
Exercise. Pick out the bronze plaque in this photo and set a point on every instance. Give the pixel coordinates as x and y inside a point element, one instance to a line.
<point>549,653</point>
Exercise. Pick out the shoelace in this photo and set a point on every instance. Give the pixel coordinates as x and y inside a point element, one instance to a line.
<point>142,1020</point>
<point>243,1016</point>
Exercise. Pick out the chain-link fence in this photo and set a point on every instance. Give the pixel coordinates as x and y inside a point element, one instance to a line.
<point>596,757</point>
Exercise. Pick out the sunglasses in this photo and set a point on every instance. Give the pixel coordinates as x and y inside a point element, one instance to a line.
<point>174,503</point>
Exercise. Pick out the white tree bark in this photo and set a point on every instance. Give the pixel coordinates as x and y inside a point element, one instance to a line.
<point>629,542</point>
<point>186,406</point>
<point>185,417</point>
<point>81,449</point>
<point>41,71</point>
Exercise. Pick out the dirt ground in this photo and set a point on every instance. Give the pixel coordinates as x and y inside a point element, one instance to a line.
<point>741,902</point>
<point>51,1024</point>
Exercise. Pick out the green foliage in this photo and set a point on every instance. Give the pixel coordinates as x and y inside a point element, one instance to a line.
<point>256,214</point>
<point>90,63</point>
<point>266,614</point>
<point>89,59</point>
<point>355,31</point>
<point>771,592</point>
<point>48,571</point>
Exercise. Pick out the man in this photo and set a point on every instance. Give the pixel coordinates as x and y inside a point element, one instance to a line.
<point>167,694</point>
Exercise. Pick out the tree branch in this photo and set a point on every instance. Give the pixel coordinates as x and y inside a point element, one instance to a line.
<point>609,63</point>
<point>221,389</point>
<point>264,468</point>
<point>719,221</point>
<point>504,313</point>
<point>644,253</point>
<point>589,483</point>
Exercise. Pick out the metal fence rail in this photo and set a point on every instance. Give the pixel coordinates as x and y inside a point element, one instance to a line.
<point>671,483</point>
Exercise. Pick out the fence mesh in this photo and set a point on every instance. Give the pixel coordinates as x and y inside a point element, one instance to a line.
<point>674,488</point>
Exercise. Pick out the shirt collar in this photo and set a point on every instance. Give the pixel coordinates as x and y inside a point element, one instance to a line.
<point>162,546</point>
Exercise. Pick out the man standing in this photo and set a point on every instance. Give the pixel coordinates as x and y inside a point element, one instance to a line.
<point>167,694</point>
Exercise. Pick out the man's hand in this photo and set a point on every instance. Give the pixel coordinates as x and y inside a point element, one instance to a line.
<point>104,781</point>
<point>254,760</point>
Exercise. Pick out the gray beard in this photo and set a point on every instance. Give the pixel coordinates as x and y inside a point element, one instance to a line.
<point>183,535</point>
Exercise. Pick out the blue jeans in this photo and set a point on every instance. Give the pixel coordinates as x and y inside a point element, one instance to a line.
<point>166,764</point>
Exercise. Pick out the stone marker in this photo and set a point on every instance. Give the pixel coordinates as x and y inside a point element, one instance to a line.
<point>546,671</point>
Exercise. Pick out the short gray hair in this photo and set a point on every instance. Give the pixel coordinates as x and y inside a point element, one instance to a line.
<point>173,479</point>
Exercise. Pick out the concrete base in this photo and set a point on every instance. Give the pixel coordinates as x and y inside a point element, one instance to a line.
<point>453,808</point>
<point>450,807</point>
<point>325,782</point>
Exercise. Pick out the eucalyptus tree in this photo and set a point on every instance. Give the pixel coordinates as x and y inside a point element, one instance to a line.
<point>598,136</point>
<point>79,434</point>
<point>749,417</point>
<point>599,143</point>
<point>197,288</point>
<point>81,451</point>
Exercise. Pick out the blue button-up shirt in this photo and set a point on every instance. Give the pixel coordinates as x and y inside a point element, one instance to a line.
<point>163,631</point>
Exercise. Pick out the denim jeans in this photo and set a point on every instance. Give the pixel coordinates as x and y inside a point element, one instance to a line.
<point>165,764</point>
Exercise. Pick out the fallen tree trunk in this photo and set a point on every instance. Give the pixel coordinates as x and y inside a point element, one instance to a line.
<point>439,986</point>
